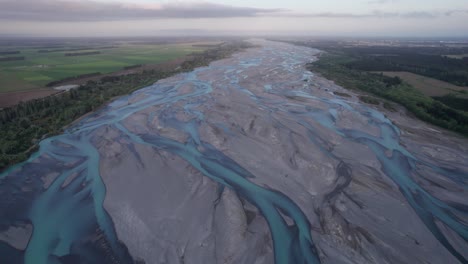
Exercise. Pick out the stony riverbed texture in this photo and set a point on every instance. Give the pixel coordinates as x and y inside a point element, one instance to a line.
<point>250,160</point>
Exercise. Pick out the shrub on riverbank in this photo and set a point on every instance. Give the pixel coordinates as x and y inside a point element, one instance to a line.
<point>24,125</point>
<point>333,67</point>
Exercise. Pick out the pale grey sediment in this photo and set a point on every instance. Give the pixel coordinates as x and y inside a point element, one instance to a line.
<point>366,221</point>
<point>17,236</point>
<point>255,160</point>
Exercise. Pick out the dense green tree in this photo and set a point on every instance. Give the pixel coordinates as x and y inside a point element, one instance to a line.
<point>23,125</point>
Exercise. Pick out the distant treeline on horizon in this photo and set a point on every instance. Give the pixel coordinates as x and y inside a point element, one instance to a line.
<point>11,58</point>
<point>10,52</point>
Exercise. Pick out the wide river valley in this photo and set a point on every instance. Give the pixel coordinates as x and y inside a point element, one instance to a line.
<point>252,159</point>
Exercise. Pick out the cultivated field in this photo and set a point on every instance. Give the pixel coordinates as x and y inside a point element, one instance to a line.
<point>12,98</point>
<point>22,80</point>
<point>429,86</point>
<point>38,69</point>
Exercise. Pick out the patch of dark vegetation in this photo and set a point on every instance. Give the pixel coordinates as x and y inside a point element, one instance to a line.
<point>133,66</point>
<point>82,53</point>
<point>56,50</point>
<point>335,67</point>
<point>454,102</point>
<point>430,61</point>
<point>451,70</point>
<point>74,49</point>
<point>72,78</point>
<point>10,52</point>
<point>24,125</point>
<point>342,94</point>
<point>11,58</point>
<point>369,100</point>
<point>390,107</point>
<point>221,51</point>
<point>58,46</point>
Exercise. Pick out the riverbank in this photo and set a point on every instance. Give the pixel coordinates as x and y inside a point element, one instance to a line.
<point>252,159</point>
<point>24,125</point>
<point>333,67</point>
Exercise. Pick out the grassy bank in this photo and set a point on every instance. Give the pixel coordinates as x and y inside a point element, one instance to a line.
<point>428,86</point>
<point>40,68</point>
<point>24,125</point>
<point>334,66</point>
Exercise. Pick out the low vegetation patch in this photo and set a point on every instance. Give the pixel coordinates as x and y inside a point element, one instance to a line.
<point>390,107</point>
<point>74,49</point>
<point>428,86</point>
<point>12,59</point>
<point>24,125</point>
<point>55,83</point>
<point>45,64</point>
<point>10,52</point>
<point>133,67</point>
<point>454,102</point>
<point>335,67</point>
<point>369,100</point>
<point>82,53</point>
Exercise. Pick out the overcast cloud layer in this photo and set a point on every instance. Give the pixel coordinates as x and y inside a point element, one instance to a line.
<point>304,17</point>
<point>60,10</point>
<point>63,10</point>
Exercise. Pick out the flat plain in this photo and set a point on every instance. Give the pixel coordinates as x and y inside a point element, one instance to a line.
<point>428,86</point>
<point>27,79</point>
<point>38,69</point>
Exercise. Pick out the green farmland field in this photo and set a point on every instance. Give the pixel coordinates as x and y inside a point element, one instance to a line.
<point>38,69</point>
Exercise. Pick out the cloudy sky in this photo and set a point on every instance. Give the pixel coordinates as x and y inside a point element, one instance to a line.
<point>418,18</point>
